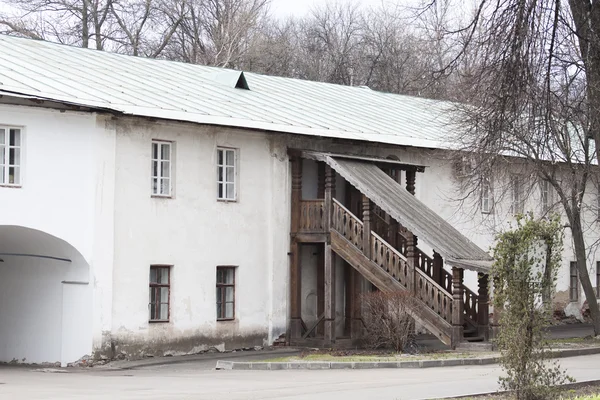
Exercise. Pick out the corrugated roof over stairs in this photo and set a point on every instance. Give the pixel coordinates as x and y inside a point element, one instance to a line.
<point>209,95</point>
<point>410,212</point>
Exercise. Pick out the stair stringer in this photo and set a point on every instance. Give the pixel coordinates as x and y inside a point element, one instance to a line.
<point>387,283</point>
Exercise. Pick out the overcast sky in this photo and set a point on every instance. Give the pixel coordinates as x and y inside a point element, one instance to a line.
<point>283,8</point>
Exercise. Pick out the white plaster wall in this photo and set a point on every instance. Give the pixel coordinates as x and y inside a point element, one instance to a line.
<point>65,191</point>
<point>35,325</point>
<point>195,233</point>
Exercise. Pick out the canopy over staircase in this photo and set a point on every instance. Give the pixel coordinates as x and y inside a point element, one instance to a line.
<point>382,247</point>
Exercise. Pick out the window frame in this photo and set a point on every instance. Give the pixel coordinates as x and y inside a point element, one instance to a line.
<point>486,196</point>
<point>160,161</point>
<point>546,200</point>
<point>224,166</point>
<point>6,147</point>
<point>156,285</point>
<point>516,195</point>
<point>223,316</point>
<point>573,290</point>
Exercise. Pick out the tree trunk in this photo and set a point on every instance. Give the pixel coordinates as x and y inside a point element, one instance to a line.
<point>584,277</point>
<point>85,24</point>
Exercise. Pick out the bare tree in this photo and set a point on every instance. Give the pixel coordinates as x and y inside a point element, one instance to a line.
<point>217,32</point>
<point>76,22</point>
<point>534,105</point>
<point>145,27</point>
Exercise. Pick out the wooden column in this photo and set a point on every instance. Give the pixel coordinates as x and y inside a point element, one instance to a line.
<point>356,328</point>
<point>320,180</point>
<point>329,195</point>
<point>438,266</point>
<point>329,273</point>
<point>366,206</point>
<point>495,323</point>
<point>329,337</point>
<point>457,306</point>
<point>411,176</point>
<point>393,228</point>
<point>411,252</point>
<point>320,285</point>
<point>295,270</point>
<point>483,317</point>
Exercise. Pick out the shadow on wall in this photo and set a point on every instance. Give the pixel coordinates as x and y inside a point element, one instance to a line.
<point>45,298</point>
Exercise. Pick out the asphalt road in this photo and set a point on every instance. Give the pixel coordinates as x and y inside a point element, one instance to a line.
<point>195,381</point>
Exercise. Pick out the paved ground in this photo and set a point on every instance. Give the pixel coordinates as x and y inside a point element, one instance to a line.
<point>195,381</point>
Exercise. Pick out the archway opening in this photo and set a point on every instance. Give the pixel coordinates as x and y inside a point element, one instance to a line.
<point>45,298</point>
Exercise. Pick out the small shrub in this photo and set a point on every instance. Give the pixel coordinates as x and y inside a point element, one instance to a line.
<point>387,320</point>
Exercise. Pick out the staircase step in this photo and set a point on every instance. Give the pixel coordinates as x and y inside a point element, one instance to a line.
<point>474,338</point>
<point>469,331</point>
<point>478,346</point>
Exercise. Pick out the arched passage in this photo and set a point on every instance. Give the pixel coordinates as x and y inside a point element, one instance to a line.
<point>45,298</point>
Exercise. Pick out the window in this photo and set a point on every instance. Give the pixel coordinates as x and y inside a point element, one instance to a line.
<point>225,293</point>
<point>10,156</point>
<point>546,195</point>
<point>486,197</point>
<point>516,197</point>
<point>161,168</point>
<point>226,174</point>
<point>160,277</point>
<point>574,282</point>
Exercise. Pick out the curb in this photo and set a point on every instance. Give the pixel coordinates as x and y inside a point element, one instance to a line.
<point>320,365</point>
<point>151,362</point>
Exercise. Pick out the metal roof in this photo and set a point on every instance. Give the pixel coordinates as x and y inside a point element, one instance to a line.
<point>410,212</point>
<point>208,95</point>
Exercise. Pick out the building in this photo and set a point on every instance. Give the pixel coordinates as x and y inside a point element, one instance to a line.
<point>155,207</point>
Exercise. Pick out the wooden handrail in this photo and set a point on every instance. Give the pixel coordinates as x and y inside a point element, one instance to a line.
<point>434,283</point>
<point>391,248</point>
<point>340,205</point>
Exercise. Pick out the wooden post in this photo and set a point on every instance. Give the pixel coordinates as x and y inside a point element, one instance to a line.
<point>320,180</point>
<point>495,325</point>
<point>329,195</point>
<point>320,285</point>
<point>295,274</point>
<point>457,306</point>
<point>366,206</point>
<point>483,317</point>
<point>438,266</point>
<point>411,176</point>
<point>329,338</point>
<point>411,252</point>
<point>356,328</point>
<point>393,233</point>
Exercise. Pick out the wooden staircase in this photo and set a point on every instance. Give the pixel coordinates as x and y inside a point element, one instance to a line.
<point>390,271</point>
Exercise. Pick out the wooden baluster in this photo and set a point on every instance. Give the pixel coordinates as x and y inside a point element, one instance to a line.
<point>457,306</point>
<point>366,206</point>
<point>295,270</point>
<point>483,317</point>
